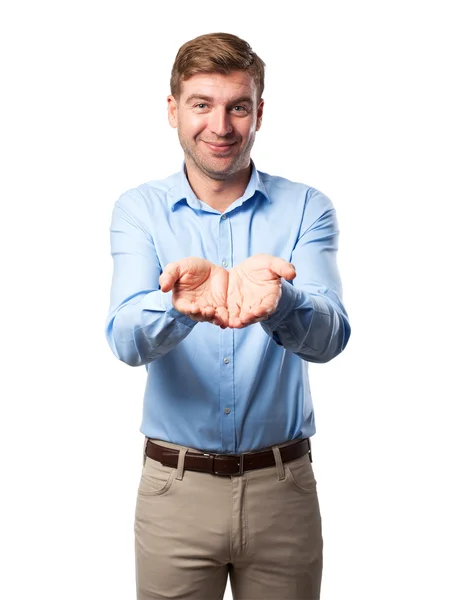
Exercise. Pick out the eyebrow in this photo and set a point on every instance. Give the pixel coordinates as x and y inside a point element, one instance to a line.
<point>209,99</point>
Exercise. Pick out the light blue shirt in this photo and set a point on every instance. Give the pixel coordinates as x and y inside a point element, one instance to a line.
<point>226,390</point>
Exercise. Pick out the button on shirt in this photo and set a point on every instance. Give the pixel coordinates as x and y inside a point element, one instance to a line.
<point>226,390</point>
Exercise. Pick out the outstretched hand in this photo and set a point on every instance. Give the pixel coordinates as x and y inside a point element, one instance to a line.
<point>255,288</point>
<point>247,294</point>
<point>199,289</point>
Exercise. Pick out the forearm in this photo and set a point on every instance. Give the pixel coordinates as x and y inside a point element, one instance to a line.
<point>145,328</point>
<point>142,323</point>
<point>310,319</point>
<point>312,326</point>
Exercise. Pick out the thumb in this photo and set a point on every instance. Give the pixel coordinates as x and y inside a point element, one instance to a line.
<point>282,268</point>
<point>169,276</point>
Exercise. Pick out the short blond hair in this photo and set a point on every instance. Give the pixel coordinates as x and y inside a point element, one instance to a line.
<point>216,53</point>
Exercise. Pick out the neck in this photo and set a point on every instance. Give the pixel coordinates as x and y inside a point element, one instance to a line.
<point>218,194</point>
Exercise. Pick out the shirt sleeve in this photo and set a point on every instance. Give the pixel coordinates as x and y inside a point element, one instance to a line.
<point>142,323</point>
<point>310,319</point>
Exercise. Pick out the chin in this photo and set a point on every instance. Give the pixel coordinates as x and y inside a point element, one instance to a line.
<point>218,174</point>
<point>226,165</point>
<point>226,171</point>
<point>220,167</point>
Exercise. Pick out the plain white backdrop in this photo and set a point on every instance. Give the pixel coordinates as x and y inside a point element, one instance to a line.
<point>356,105</point>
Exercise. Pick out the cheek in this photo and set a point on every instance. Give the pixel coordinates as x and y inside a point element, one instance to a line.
<point>249,130</point>
<point>194,125</point>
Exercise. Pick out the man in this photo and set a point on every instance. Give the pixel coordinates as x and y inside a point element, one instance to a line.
<point>225,286</point>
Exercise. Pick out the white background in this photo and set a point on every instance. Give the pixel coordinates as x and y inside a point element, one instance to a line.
<point>356,106</point>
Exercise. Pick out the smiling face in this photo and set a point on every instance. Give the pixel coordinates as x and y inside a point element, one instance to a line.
<point>217,117</point>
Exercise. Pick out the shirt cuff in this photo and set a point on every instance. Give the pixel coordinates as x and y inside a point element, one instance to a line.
<point>173,312</point>
<point>164,303</point>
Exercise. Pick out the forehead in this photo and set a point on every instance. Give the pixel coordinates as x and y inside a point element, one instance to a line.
<point>222,88</point>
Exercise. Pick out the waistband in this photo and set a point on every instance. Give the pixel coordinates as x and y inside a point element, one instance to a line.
<point>226,464</point>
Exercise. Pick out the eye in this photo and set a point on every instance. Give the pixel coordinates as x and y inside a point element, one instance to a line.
<point>200,106</point>
<point>240,108</point>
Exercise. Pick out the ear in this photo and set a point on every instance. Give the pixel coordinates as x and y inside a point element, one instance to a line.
<point>172,111</point>
<point>259,114</point>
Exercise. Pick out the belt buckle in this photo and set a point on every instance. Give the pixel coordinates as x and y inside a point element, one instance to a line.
<point>239,458</point>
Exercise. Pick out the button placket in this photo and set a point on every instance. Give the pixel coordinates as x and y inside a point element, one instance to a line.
<point>226,336</point>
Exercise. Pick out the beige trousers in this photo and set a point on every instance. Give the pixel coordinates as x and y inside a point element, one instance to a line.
<point>262,528</point>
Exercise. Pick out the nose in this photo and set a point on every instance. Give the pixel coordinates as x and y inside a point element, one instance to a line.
<point>220,122</point>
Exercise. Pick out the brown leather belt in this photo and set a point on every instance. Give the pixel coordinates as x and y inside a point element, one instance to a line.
<point>228,464</point>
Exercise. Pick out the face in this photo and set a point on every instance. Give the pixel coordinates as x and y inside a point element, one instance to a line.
<point>217,117</point>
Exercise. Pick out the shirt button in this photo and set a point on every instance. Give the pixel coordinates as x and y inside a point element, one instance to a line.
<point>226,360</point>
<point>224,263</point>
<point>224,217</point>
<point>227,410</point>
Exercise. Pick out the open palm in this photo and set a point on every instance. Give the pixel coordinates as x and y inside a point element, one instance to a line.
<point>254,288</point>
<point>199,289</point>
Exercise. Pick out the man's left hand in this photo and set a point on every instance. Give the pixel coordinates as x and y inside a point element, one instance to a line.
<point>255,288</point>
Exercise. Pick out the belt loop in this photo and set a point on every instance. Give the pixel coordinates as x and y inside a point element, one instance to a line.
<point>181,458</point>
<point>279,463</point>
<point>310,449</point>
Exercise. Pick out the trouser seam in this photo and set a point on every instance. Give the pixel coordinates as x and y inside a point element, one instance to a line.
<point>245,508</point>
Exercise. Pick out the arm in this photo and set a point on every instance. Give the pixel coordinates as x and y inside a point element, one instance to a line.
<point>142,323</point>
<point>310,319</point>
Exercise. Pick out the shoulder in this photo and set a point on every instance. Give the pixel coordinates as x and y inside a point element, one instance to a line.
<point>281,188</point>
<point>150,192</point>
<point>146,203</point>
<point>149,201</point>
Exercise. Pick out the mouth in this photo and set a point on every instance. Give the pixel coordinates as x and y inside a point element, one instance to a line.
<point>219,148</point>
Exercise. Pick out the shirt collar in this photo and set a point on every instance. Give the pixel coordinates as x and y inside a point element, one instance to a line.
<point>182,191</point>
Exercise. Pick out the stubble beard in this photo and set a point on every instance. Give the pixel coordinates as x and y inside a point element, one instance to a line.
<point>206,167</point>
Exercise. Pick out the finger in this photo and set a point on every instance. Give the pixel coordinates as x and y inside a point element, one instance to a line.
<point>250,312</point>
<point>208,312</point>
<point>169,276</point>
<point>194,309</point>
<point>234,307</point>
<point>235,317</point>
<point>248,318</point>
<point>234,320</point>
<point>188,308</point>
<point>205,314</point>
<point>244,322</point>
<point>235,323</point>
<point>218,322</point>
<point>222,317</point>
<point>282,268</point>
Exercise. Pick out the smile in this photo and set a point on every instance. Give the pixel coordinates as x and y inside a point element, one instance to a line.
<point>219,147</point>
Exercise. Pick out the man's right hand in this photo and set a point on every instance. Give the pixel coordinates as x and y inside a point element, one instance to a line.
<point>199,289</point>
